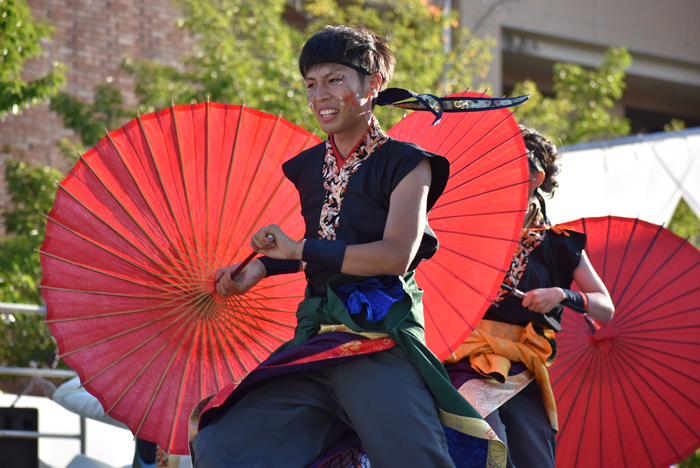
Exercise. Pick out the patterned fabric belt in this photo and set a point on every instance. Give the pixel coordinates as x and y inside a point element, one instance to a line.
<point>345,329</point>
<point>493,345</point>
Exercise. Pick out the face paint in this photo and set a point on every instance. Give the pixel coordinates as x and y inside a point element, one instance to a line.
<point>311,106</point>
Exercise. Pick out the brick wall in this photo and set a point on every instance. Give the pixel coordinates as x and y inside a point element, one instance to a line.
<point>91,37</point>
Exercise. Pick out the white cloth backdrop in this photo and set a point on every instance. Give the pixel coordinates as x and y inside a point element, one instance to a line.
<point>643,176</point>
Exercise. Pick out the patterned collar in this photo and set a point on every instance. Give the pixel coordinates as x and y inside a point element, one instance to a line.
<point>530,238</point>
<point>336,176</point>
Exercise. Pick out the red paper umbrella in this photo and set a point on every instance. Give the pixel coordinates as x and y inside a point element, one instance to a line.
<point>628,395</point>
<point>139,227</point>
<point>477,220</point>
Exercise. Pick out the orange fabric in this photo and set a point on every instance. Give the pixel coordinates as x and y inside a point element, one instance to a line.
<point>492,347</point>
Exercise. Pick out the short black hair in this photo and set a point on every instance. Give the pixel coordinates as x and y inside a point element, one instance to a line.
<point>356,46</point>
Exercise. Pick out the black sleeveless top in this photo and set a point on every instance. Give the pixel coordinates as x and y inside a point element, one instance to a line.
<point>551,264</point>
<point>365,207</point>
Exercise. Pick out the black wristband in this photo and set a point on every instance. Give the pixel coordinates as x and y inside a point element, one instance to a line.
<point>328,254</point>
<point>279,267</point>
<point>575,301</point>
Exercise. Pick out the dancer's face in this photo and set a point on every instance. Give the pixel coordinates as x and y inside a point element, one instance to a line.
<point>340,98</point>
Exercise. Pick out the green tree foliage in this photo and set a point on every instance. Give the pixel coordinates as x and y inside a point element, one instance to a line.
<point>32,188</point>
<point>20,40</point>
<point>685,223</point>
<point>247,51</point>
<point>581,108</point>
<point>89,121</point>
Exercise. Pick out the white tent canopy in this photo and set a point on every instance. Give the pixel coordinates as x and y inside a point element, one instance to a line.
<point>641,176</point>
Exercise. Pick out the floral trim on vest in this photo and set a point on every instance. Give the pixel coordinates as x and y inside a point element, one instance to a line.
<point>530,238</point>
<point>336,181</point>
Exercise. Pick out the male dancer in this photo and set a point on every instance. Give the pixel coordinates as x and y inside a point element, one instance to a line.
<point>357,373</point>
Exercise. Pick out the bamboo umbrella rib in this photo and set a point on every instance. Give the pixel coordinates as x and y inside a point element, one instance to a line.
<point>249,298</point>
<point>123,207</point>
<point>643,288</point>
<point>257,169</point>
<point>469,234</point>
<point>516,159</point>
<point>127,240</point>
<point>682,357</point>
<point>467,257</point>
<point>206,182</point>
<point>257,327</point>
<point>146,366</point>
<point>491,213</point>
<point>226,319</point>
<point>632,358</point>
<point>228,176</point>
<point>109,250</point>
<point>242,342</point>
<point>482,137</point>
<point>104,293</point>
<point>585,415</point>
<point>485,192</point>
<point>614,405</point>
<point>140,190</point>
<point>458,142</point>
<point>624,256</point>
<point>625,320</point>
<point>259,317</point>
<point>578,357</point>
<point>139,346</point>
<point>105,273</point>
<point>131,330</point>
<point>182,171</point>
<point>453,308</point>
<point>461,116</point>
<point>640,261</point>
<point>208,340</point>
<point>629,331</point>
<point>113,314</point>
<point>261,211</point>
<point>629,324</point>
<point>636,391</point>
<point>439,330</point>
<point>202,349</point>
<point>230,345</point>
<point>576,395</point>
<point>178,401</point>
<point>160,180</point>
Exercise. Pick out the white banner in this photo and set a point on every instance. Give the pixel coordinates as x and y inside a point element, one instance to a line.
<point>642,176</point>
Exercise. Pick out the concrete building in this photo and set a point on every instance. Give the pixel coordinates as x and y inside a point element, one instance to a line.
<point>663,81</point>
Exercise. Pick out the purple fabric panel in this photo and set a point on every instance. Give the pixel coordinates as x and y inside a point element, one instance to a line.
<point>462,372</point>
<point>279,364</point>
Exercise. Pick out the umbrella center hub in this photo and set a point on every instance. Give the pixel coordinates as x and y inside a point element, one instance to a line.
<point>603,339</point>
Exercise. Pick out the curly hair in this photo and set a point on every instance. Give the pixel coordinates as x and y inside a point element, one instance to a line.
<point>546,153</point>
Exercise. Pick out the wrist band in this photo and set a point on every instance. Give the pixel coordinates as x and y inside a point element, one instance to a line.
<point>575,301</point>
<point>279,267</point>
<point>328,254</point>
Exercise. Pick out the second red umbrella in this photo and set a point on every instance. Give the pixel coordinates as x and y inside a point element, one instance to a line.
<point>628,395</point>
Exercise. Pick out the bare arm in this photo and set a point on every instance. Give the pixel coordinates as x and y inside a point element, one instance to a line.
<point>600,306</point>
<point>390,256</point>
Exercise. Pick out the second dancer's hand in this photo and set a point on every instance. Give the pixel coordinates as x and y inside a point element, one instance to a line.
<point>542,300</point>
<point>282,247</point>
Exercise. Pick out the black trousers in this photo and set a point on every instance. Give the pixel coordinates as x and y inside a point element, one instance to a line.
<point>292,419</point>
<point>522,424</point>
